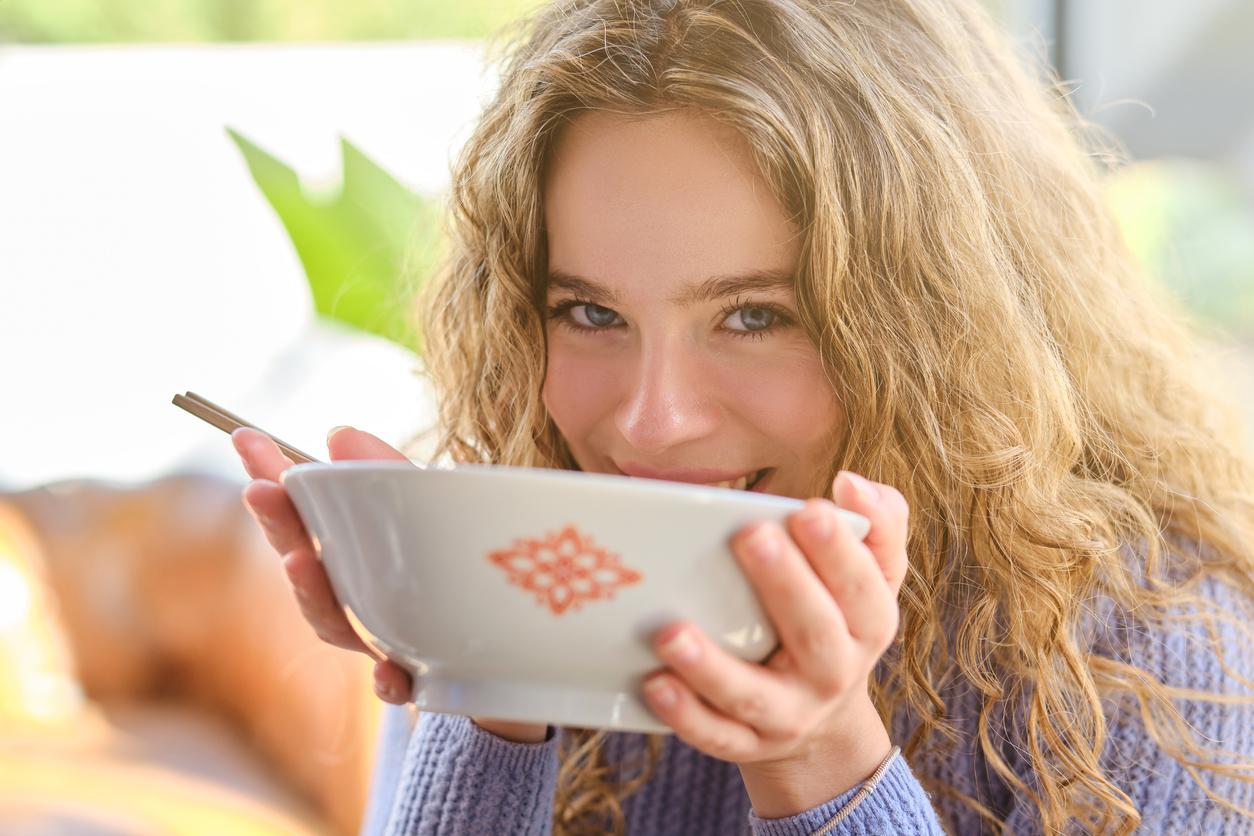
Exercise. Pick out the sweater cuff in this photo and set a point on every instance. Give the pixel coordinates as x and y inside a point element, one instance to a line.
<point>460,778</point>
<point>897,804</point>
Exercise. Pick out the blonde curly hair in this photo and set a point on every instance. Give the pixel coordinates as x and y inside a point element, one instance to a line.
<point>1000,358</point>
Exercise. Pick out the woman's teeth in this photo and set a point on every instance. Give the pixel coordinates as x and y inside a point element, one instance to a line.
<point>737,484</point>
<point>734,484</point>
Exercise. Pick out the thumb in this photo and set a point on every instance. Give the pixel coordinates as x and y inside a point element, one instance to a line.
<point>344,443</point>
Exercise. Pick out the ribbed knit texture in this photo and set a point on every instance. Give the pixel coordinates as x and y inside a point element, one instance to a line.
<point>459,779</point>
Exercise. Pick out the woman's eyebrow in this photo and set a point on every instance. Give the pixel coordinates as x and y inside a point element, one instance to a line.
<point>715,287</point>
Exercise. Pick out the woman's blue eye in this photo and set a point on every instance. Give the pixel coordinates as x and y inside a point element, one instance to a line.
<point>596,316</point>
<point>741,320</point>
<point>754,318</point>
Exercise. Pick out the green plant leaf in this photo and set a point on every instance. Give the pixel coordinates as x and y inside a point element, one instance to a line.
<point>366,249</point>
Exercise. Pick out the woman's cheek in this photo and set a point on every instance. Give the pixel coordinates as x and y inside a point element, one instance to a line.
<point>785,395</point>
<point>579,390</point>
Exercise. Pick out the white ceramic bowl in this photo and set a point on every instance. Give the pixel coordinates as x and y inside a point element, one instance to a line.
<point>530,594</point>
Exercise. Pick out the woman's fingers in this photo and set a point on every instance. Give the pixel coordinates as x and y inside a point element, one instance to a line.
<point>809,622</point>
<point>318,603</point>
<point>261,456</point>
<point>391,682</point>
<point>889,515</point>
<point>347,443</point>
<point>848,570</point>
<point>696,723</point>
<point>265,462</point>
<point>279,520</point>
<point>740,690</point>
<point>276,515</point>
<point>323,612</point>
<point>264,496</point>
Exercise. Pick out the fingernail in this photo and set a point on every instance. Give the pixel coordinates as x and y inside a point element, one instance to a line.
<point>864,490</point>
<point>334,430</point>
<point>817,523</point>
<point>660,692</point>
<point>385,691</point>
<point>681,647</point>
<point>761,544</point>
<point>382,687</point>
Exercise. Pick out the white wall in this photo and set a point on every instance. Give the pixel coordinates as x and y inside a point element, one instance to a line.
<point>138,259</point>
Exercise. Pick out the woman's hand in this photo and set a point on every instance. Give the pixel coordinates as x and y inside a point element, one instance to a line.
<point>274,512</point>
<point>273,509</point>
<point>801,725</point>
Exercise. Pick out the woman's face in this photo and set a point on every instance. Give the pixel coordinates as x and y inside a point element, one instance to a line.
<point>674,350</point>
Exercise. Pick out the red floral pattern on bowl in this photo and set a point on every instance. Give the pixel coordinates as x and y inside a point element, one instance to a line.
<point>564,570</point>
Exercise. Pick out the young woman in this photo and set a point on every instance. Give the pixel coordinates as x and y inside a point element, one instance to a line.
<point>791,240</point>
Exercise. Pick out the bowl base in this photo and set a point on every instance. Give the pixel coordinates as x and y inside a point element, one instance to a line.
<point>528,702</point>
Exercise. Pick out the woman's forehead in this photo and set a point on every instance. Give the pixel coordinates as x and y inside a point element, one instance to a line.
<point>621,156</point>
<point>671,196</point>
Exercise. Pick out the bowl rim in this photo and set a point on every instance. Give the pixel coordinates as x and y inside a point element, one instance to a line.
<point>608,481</point>
<point>695,495</point>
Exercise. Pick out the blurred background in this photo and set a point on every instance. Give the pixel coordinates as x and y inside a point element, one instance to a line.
<point>218,196</point>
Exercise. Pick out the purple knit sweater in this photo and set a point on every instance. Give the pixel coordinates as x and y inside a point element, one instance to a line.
<point>444,775</point>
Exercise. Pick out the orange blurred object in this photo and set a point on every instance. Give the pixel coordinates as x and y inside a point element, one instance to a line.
<point>156,674</point>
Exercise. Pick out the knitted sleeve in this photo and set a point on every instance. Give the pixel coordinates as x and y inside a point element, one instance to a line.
<point>456,778</point>
<point>1171,798</point>
<point>896,803</point>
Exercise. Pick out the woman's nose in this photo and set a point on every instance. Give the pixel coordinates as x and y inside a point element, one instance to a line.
<point>666,399</point>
